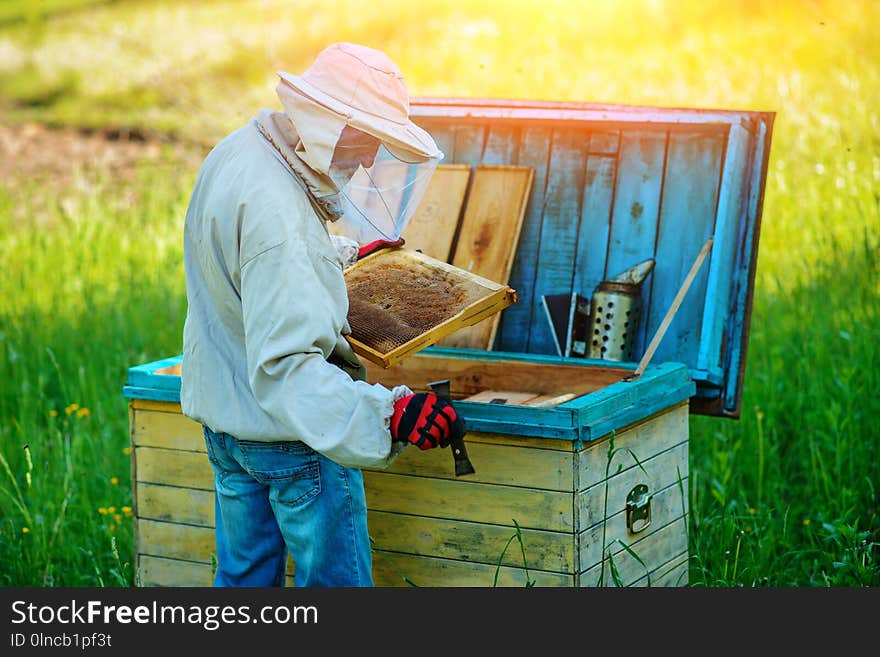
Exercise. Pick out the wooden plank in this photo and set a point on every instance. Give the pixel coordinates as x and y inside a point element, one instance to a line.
<point>651,550</point>
<point>655,435</point>
<point>667,505</point>
<point>687,220</point>
<point>494,464</point>
<point>595,224</point>
<point>186,542</point>
<point>162,572</point>
<point>174,468</point>
<point>470,541</point>
<point>469,141</point>
<point>730,215</point>
<point>395,569</point>
<point>463,500</point>
<point>179,505</point>
<point>559,229</point>
<point>673,573</point>
<point>513,330</point>
<point>663,470</point>
<point>432,227</point>
<point>156,428</point>
<point>501,397</point>
<point>469,376</point>
<point>637,189</point>
<point>488,237</point>
<point>151,405</point>
<point>502,144</point>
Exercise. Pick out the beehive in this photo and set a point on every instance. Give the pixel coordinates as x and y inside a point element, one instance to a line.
<point>599,479</point>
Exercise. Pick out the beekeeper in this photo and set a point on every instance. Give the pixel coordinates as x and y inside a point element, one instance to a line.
<point>280,206</point>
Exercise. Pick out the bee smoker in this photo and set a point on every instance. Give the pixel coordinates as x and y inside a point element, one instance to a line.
<point>615,314</point>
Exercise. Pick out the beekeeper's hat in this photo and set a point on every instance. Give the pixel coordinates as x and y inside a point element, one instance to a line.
<point>365,87</point>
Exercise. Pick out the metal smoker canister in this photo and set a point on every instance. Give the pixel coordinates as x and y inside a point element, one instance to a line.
<point>615,311</point>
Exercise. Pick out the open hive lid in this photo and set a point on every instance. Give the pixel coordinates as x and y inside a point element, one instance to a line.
<point>401,301</point>
<point>615,185</point>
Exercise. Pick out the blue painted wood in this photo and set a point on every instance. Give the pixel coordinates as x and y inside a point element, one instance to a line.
<point>687,220</point>
<point>513,330</point>
<point>604,142</point>
<point>469,142</point>
<point>744,276</point>
<point>732,208</point>
<point>595,224</point>
<point>559,230</point>
<point>502,145</point>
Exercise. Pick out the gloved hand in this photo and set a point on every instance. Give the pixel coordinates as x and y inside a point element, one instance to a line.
<point>426,421</point>
<point>376,245</point>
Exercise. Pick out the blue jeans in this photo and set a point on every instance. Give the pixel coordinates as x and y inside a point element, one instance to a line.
<point>279,496</point>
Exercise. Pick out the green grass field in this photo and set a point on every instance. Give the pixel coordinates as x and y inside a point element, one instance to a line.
<point>91,251</point>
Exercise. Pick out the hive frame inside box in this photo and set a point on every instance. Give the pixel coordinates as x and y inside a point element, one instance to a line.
<point>493,298</point>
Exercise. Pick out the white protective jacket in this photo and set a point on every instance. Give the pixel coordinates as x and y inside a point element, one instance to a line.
<point>267,308</point>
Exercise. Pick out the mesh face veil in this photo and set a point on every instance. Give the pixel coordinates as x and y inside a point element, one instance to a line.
<point>379,192</point>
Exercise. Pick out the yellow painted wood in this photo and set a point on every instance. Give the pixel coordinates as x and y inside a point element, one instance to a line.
<point>159,571</point>
<point>174,468</point>
<point>662,470</point>
<point>667,505</point>
<point>151,405</point>
<point>488,237</point>
<point>470,541</point>
<point>495,464</point>
<point>394,569</point>
<point>434,222</point>
<point>654,548</point>
<point>475,502</point>
<point>674,573</point>
<point>469,377</point>
<point>158,428</point>
<point>172,504</point>
<point>644,439</point>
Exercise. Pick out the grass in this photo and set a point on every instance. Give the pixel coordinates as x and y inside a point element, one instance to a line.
<point>93,282</point>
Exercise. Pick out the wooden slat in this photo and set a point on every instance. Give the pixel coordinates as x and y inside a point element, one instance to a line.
<point>157,428</point>
<point>644,439</point>
<point>663,470</point>
<point>470,376</point>
<point>162,572</point>
<point>394,569</point>
<point>525,466</point>
<point>654,548</point>
<point>687,220</point>
<point>513,331</point>
<point>667,505</point>
<point>178,505</point>
<point>432,227</point>
<point>559,229</point>
<point>470,541</point>
<point>673,573</point>
<point>595,224</point>
<point>463,500</point>
<point>502,144</point>
<point>488,237</point>
<point>174,468</point>
<point>469,141</point>
<point>151,405</point>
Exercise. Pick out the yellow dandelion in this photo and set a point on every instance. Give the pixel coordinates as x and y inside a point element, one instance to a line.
<point>751,510</point>
<point>112,528</point>
<point>114,480</point>
<point>102,510</point>
<point>53,413</point>
<point>111,509</point>
<point>117,518</point>
<point>126,510</point>
<point>71,408</point>
<point>806,521</point>
<point>83,412</point>
<point>748,528</point>
<point>126,450</point>
<point>25,530</point>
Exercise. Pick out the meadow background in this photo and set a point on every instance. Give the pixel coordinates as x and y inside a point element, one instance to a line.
<point>106,109</point>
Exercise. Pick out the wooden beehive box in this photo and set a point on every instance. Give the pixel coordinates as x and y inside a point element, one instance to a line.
<point>597,480</point>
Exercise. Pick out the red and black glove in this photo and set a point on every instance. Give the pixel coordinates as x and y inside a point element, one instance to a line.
<point>425,420</point>
<point>378,245</point>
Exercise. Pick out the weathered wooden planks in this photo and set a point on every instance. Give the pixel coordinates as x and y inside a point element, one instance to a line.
<point>432,227</point>
<point>488,236</point>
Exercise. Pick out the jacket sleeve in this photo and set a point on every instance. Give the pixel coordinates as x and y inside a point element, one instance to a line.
<point>294,308</point>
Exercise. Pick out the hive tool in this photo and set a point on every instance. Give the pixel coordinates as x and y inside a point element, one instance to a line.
<point>463,465</point>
